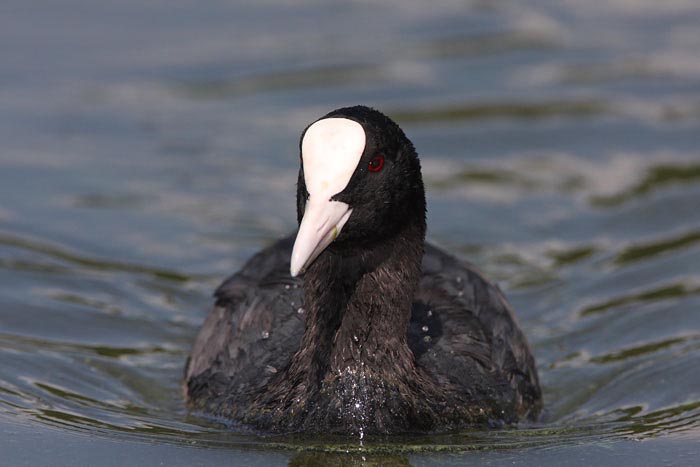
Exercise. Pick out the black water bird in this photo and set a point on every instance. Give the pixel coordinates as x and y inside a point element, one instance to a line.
<point>374,331</point>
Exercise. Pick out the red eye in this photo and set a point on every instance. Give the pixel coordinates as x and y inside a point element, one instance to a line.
<point>376,163</point>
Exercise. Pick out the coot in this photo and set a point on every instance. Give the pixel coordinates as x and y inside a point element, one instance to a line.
<point>356,325</point>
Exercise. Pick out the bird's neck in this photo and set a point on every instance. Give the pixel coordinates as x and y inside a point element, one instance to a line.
<point>359,306</point>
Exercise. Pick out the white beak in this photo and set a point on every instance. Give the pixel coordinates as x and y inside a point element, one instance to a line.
<point>331,150</point>
<point>321,224</point>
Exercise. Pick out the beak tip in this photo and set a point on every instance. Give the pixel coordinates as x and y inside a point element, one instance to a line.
<point>319,227</point>
<point>295,266</point>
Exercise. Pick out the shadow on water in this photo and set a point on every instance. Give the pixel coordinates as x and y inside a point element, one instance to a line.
<point>314,459</point>
<point>625,354</point>
<point>312,78</point>
<point>354,73</point>
<point>79,260</point>
<point>666,292</point>
<point>510,110</point>
<point>656,177</point>
<point>643,251</point>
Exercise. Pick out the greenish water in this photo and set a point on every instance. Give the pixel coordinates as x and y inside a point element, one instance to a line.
<point>148,149</point>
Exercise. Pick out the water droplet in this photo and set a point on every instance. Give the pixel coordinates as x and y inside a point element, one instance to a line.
<point>300,311</point>
<point>265,334</point>
<point>460,293</point>
<point>356,339</point>
<point>430,313</point>
<point>425,328</point>
<point>287,286</point>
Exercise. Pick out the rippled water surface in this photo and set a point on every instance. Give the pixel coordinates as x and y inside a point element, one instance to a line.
<point>149,148</point>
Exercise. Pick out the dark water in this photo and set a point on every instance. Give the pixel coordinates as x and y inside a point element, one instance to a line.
<point>149,148</point>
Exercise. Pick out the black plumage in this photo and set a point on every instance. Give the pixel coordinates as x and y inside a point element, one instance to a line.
<point>382,334</point>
